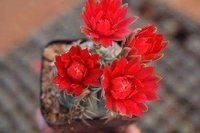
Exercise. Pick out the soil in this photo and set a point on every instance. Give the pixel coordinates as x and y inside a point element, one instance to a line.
<point>53,112</point>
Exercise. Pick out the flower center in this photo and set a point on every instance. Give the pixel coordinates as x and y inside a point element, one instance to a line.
<point>121,87</point>
<point>77,71</point>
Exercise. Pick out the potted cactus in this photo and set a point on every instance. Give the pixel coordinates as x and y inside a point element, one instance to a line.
<point>101,83</point>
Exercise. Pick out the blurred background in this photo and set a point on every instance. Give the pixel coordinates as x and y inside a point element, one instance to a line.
<point>28,25</point>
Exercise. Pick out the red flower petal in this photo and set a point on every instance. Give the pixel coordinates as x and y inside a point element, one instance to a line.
<point>133,67</point>
<point>151,96</point>
<point>122,31</point>
<point>106,77</point>
<point>89,32</point>
<point>75,50</point>
<point>150,86</point>
<point>125,22</point>
<point>64,84</point>
<point>119,66</point>
<point>85,54</point>
<point>90,63</point>
<point>105,41</point>
<point>152,78</point>
<point>109,103</point>
<point>121,12</point>
<point>93,78</point>
<point>145,72</point>
<point>139,97</point>
<point>57,79</point>
<point>143,107</point>
<point>92,60</point>
<point>77,89</point>
<point>69,90</point>
<point>132,108</point>
<point>121,107</point>
<point>65,58</point>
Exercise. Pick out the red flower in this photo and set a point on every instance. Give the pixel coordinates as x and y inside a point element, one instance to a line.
<point>105,21</point>
<point>77,69</point>
<point>146,44</point>
<point>128,85</point>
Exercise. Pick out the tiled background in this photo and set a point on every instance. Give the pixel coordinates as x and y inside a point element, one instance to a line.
<point>177,111</point>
